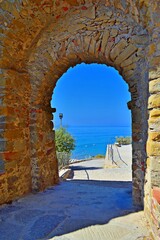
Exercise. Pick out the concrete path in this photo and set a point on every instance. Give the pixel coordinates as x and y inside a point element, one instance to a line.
<point>118,156</point>
<point>98,169</point>
<point>87,207</point>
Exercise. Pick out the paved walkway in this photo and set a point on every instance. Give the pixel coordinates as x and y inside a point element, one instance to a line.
<point>119,157</point>
<point>82,208</point>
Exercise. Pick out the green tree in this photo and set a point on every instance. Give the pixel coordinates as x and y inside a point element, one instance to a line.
<point>64,141</point>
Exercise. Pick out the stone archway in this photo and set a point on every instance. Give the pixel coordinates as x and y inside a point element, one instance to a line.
<point>55,52</point>
<point>40,41</point>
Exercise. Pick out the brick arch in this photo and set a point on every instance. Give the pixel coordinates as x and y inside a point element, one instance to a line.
<point>40,41</point>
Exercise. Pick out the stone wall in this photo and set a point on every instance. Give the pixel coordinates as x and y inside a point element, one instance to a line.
<point>40,40</point>
<point>152,187</point>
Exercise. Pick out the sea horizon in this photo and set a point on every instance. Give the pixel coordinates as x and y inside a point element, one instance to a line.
<point>69,125</point>
<point>91,140</point>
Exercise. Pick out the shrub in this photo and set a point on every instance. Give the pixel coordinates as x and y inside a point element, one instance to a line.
<point>99,156</point>
<point>123,140</point>
<point>65,143</point>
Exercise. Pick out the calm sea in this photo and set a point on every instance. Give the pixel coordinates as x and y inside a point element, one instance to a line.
<point>91,141</point>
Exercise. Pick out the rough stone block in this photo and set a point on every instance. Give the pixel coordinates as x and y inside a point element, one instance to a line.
<point>132,59</point>
<point>89,13</point>
<point>74,28</point>
<point>155,163</point>
<point>114,32</point>
<point>156,194</point>
<point>129,67</point>
<point>108,48</point>
<point>104,40</point>
<point>154,136</point>
<point>155,179</point>
<point>127,52</point>
<point>155,61</point>
<point>87,41</point>
<point>140,39</point>
<point>92,46</point>
<point>2,166</point>
<point>154,86</point>
<point>3,81</point>
<point>3,110</point>
<point>11,156</point>
<point>2,119</point>
<point>152,48</point>
<point>154,113</point>
<point>153,148</point>
<point>154,74</point>
<point>154,124</point>
<point>2,145</point>
<point>154,101</point>
<point>118,49</point>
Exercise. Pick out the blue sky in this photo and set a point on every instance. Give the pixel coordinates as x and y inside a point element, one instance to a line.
<point>92,95</point>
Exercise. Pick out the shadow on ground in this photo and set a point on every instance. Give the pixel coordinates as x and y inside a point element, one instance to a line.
<point>80,168</point>
<point>65,208</point>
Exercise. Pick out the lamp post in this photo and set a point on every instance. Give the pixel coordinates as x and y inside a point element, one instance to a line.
<point>60,116</point>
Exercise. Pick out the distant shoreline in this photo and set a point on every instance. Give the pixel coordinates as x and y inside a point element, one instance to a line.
<point>93,140</point>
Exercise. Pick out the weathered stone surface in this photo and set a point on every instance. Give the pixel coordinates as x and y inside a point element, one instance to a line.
<point>87,41</point>
<point>2,166</point>
<point>155,113</point>
<point>142,39</point>
<point>128,51</point>
<point>129,67</point>
<point>153,148</point>
<point>74,28</point>
<point>154,74</point>
<point>89,13</point>
<point>155,163</point>
<point>154,86</point>
<point>156,194</point>
<point>104,40</point>
<point>152,49</point>
<point>40,41</point>
<point>92,46</point>
<point>154,101</point>
<point>154,136</point>
<point>154,124</point>
<point>114,32</point>
<point>155,61</point>
<point>130,60</point>
<point>118,49</point>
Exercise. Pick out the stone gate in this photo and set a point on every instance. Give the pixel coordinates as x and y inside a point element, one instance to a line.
<point>40,40</point>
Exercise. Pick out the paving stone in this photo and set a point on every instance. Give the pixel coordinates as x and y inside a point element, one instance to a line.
<point>42,227</point>
<point>4,210</point>
<point>9,231</point>
<point>25,216</point>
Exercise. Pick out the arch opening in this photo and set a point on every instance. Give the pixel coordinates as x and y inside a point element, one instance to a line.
<point>138,106</point>
<point>92,96</point>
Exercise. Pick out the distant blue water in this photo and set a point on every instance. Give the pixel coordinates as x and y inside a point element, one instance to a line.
<point>91,141</point>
